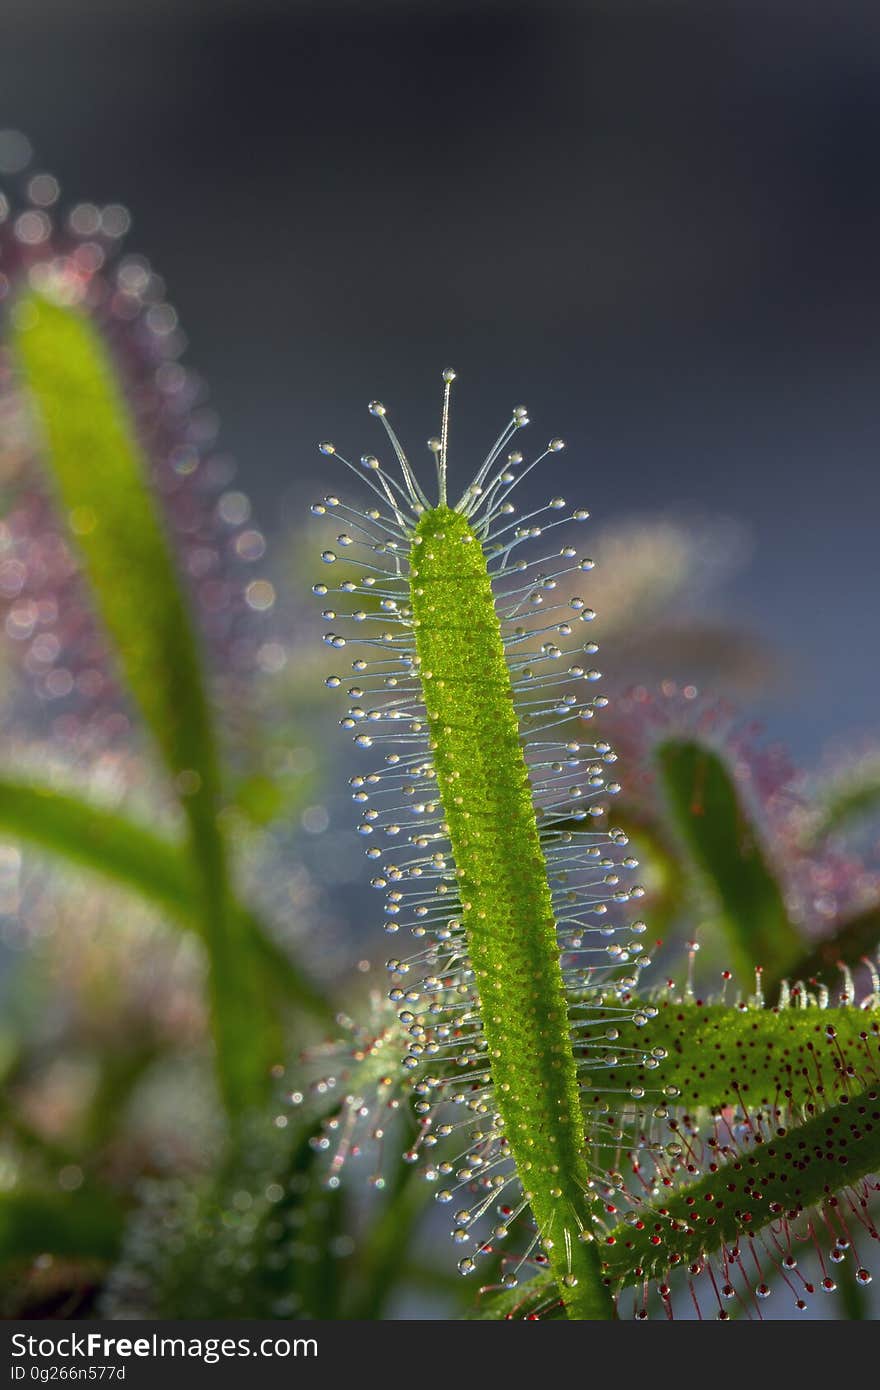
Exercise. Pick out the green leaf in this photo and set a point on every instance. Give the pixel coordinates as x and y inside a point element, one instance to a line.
<point>101,480</point>
<point>84,1224</point>
<point>717,1055</point>
<point>154,867</point>
<point>101,840</point>
<point>259,798</point>
<point>815,1071</point>
<point>507,907</point>
<point>726,848</point>
<point>790,1173</point>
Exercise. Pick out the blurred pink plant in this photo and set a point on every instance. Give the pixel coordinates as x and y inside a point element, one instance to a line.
<point>822,883</point>
<point>43,606</point>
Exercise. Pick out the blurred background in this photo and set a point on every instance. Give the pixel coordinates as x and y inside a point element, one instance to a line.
<point>656,223</point>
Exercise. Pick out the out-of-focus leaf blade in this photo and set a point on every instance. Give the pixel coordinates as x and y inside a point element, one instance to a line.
<point>99,839</point>
<point>133,856</point>
<point>83,1224</point>
<point>726,848</point>
<point>101,480</point>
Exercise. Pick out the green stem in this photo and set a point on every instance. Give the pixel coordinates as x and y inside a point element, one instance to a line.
<point>507,910</point>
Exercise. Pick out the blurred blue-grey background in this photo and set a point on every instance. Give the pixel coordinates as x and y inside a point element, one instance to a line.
<point>655,221</point>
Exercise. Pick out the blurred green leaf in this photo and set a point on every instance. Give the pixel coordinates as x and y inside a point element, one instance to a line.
<point>785,1170</point>
<point>98,839</point>
<point>133,856</point>
<point>849,945</point>
<point>84,1223</point>
<point>101,479</point>
<point>726,848</point>
<point>259,797</point>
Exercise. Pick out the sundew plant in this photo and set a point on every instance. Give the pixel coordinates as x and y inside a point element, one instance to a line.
<point>621,1132</point>
<point>494,861</point>
<point>630,1031</point>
